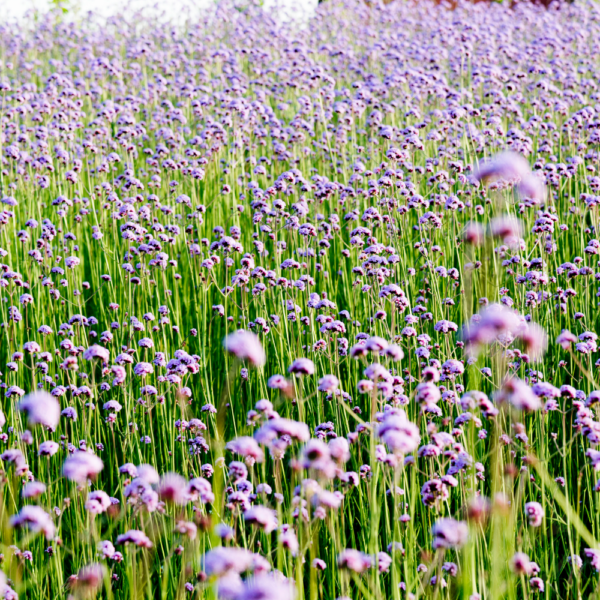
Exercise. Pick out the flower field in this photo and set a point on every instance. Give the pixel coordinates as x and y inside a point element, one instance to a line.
<point>301,310</point>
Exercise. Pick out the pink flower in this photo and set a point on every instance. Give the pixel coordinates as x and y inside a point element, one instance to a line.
<point>276,428</point>
<point>449,533</point>
<point>267,587</point>
<point>302,366</point>
<point>81,466</point>
<point>33,489</point>
<point>173,488</point>
<point>247,447</point>
<point>41,408</point>
<point>265,518</point>
<point>97,502</point>
<point>36,519</point>
<point>328,383</point>
<point>521,564</point>
<point>220,560</point>
<point>565,339</point>
<point>245,345</point>
<point>353,560</point>
<point>519,394</point>
<point>398,433</point>
<point>535,513</point>
<point>89,579</point>
<point>136,537</point>
<point>97,351</point>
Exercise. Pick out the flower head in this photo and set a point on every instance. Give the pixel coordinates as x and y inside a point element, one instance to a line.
<point>245,345</point>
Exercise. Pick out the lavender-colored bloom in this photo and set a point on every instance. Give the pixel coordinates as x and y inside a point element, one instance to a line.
<point>289,540</point>
<point>89,579</point>
<point>200,489</point>
<point>31,347</point>
<point>267,587</point>
<point>339,449</point>
<point>394,352</point>
<point>106,549</point>
<point>474,233</point>
<point>247,447</point>
<point>81,466</point>
<point>398,433</point>
<point>519,395</point>
<point>97,502</point>
<point>279,382</point>
<point>148,474</point>
<point>48,448</point>
<point>142,369</point>
<point>41,408</point>
<point>565,339</point>
<point>376,344</point>
<point>302,366</point>
<point>534,340</point>
<point>35,519</point>
<point>97,352</point>
<point>136,538</point>
<point>493,321</point>
<point>328,383</point>
<point>535,513</point>
<point>220,560</point>
<point>521,564</point>
<point>245,345</point>
<point>261,516</point>
<point>511,167</point>
<point>173,488</point>
<point>276,428</point>
<point>594,556</point>
<point>33,489</point>
<point>508,228</point>
<point>353,560</point>
<point>449,533</point>
<point>319,564</point>
<point>537,584</point>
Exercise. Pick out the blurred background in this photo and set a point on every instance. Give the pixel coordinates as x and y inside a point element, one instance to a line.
<point>19,8</point>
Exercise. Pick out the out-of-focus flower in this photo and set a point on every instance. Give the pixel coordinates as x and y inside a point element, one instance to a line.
<point>136,538</point>
<point>449,533</point>
<point>353,560</point>
<point>97,352</point>
<point>41,408</point>
<point>81,466</point>
<point>519,395</point>
<point>535,513</point>
<point>36,519</point>
<point>302,366</point>
<point>398,433</point>
<point>245,345</point>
